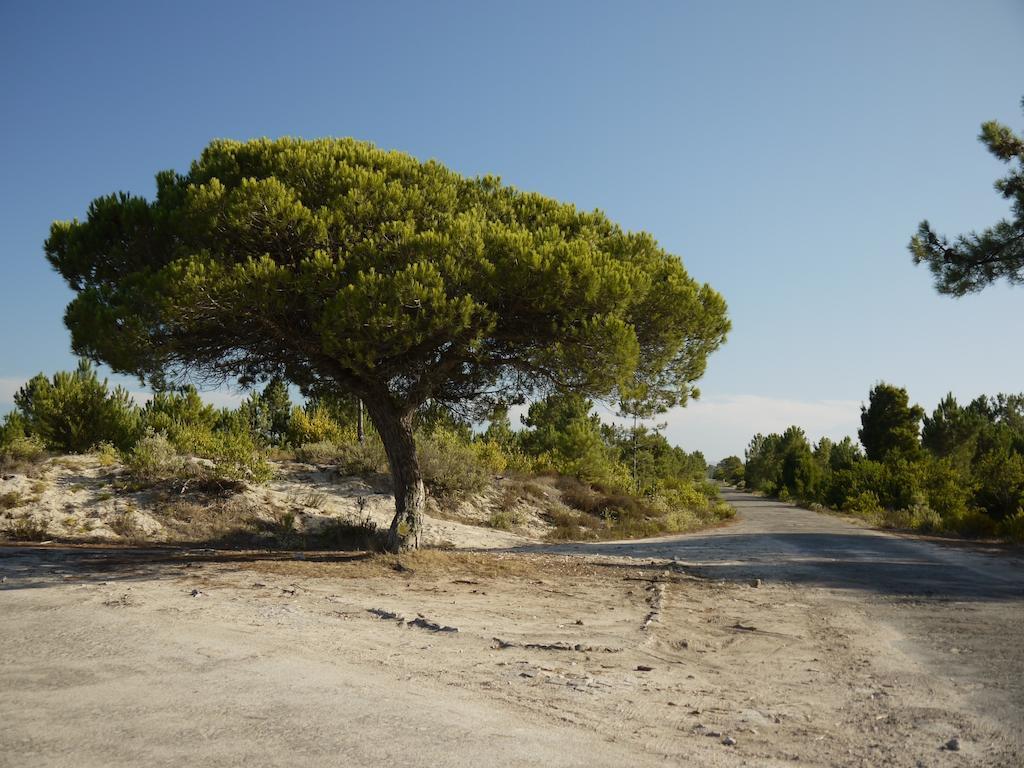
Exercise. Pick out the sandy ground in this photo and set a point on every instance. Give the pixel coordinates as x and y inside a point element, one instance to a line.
<point>854,648</point>
<point>79,499</point>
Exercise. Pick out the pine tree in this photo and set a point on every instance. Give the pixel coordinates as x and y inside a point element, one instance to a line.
<point>974,261</point>
<point>349,270</point>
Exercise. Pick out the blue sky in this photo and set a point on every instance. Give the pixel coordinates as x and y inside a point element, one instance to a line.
<point>785,150</point>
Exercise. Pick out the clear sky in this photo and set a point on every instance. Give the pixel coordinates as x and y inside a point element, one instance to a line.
<point>785,150</point>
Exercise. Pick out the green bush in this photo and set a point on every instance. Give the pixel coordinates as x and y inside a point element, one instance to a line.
<point>366,458</point>
<point>154,459</point>
<point>864,504</point>
<point>105,453</point>
<point>948,491</point>
<point>999,472</point>
<point>235,454</point>
<point>315,425</point>
<point>323,452</point>
<point>29,448</point>
<point>171,412</point>
<point>505,519</point>
<point>23,454</point>
<point>925,519</point>
<point>610,514</point>
<point>690,507</point>
<point>27,528</point>
<point>973,524</point>
<point>74,411</point>
<point>451,465</point>
<point>1012,527</point>
<point>562,427</point>
<point>13,428</point>
<point>521,463</point>
<point>350,456</point>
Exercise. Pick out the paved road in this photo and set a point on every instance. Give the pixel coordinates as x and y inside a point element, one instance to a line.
<point>776,541</point>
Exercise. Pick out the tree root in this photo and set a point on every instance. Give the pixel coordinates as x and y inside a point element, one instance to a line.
<point>501,644</point>
<point>420,622</point>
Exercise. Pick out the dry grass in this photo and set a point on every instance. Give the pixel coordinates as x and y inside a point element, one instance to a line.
<point>509,513</point>
<point>26,528</point>
<point>31,466</point>
<point>11,500</point>
<point>126,525</point>
<point>197,519</point>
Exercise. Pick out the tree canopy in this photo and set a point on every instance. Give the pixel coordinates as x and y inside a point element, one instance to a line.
<point>344,268</point>
<point>889,424</point>
<point>975,260</point>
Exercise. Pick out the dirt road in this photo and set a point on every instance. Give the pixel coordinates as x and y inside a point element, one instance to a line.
<point>855,649</point>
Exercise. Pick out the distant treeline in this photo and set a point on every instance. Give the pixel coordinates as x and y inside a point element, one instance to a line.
<point>959,470</point>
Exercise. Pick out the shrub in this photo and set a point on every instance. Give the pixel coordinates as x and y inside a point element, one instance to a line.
<point>682,520</point>
<point>491,455</point>
<point>999,472</point>
<point>75,410</point>
<point>234,452</point>
<point>351,456</point>
<point>948,491</point>
<point>22,450</point>
<point>582,496</point>
<point>26,528</point>
<point>452,465</point>
<point>1012,527</point>
<point>315,425</point>
<point>364,535</point>
<point>154,459</point>
<point>12,428</point>
<point>692,506</point>
<point>570,525</point>
<point>11,500</point>
<point>505,519</point>
<point>521,463</point>
<point>227,518</point>
<point>23,455</point>
<point>972,523</point>
<point>687,497</point>
<point>366,458</point>
<point>283,529</point>
<point>125,525</point>
<point>170,412</point>
<point>925,519</point>
<point>323,452</point>
<point>105,453</point>
<point>864,504</point>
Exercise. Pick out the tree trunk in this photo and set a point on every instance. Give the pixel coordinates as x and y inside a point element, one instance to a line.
<point>360,434</point>
<point>395,429</point>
